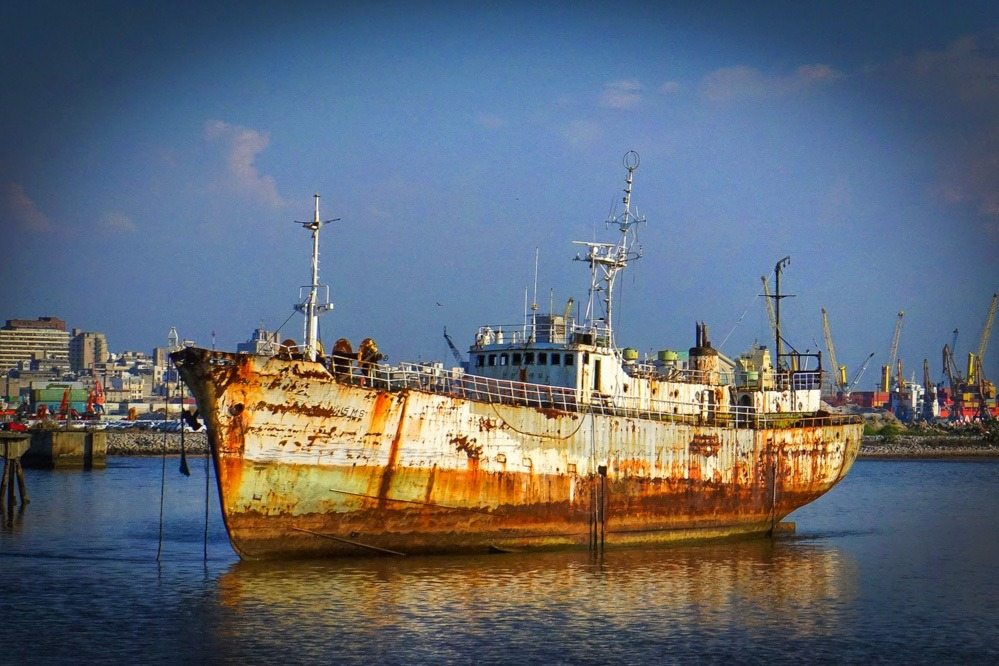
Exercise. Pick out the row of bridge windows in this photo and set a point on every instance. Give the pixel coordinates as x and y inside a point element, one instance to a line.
<point>523,358</point>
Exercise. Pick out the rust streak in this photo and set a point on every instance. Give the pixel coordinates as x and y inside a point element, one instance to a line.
<point>393,458</point>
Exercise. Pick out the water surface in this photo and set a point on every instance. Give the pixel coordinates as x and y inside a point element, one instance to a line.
<point>896,564</point>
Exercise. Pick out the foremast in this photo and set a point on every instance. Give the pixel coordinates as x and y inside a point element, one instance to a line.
<point>606,260</point>
<point>312,307</point>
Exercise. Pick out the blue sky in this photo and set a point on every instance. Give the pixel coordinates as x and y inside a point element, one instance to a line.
<point>153,159</point>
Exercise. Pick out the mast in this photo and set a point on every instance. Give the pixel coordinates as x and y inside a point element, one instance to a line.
<point>606,260</point>
<point>311,307</point>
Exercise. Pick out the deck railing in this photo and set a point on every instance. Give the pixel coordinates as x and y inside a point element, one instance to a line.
<point>454,383</point>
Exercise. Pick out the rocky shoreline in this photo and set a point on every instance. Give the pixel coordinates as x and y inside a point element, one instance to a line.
<point>913,446</point>
<point>142,443</point>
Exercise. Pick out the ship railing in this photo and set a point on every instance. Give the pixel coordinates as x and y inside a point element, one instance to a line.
<point>552,329</point>
<point>434,378</point>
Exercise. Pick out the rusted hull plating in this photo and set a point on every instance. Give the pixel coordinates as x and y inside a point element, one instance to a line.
<point>308,466</point>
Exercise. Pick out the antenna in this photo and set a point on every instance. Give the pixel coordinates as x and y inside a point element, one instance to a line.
<point>607,259</point>
<point>534,301</point>
<point>311,307</point>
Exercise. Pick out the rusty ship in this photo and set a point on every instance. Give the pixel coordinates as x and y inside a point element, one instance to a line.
<point>548,436</point>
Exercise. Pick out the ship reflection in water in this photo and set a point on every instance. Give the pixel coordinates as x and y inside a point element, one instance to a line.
<point>481,608</point>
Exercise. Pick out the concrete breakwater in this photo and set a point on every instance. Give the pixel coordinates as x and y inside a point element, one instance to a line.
<point>154,443</point>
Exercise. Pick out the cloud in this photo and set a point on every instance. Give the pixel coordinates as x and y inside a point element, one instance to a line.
<point>747,83</point>
<point>490,121</point>
<point>624,94</point>
<point>22,210</point>
<point>117,222</point>
<point>958,88</point>
<point>669,88</point>
<point>582,132</point>
<point>241,145</point>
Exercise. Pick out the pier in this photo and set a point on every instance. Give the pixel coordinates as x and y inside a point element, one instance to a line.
<point>67,449</point>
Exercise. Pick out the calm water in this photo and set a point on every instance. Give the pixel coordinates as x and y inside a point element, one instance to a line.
<point>899,563</point>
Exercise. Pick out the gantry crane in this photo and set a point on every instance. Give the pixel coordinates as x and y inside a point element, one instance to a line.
<point>886,370</point>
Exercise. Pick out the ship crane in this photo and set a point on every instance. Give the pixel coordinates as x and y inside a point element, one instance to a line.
<point>773,313</point>
<point>771,316</point>
<point>886,369</point>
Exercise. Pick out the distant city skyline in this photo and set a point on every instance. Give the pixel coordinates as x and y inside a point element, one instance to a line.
<point>154,158</point>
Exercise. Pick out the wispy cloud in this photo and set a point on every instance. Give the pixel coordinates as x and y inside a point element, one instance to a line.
<point>490,121</point>
<point>22,210</point>
<point>582,132</point>
<point>959,86</point>
<point>669,88</point>
<point>742,82</point>
<point>624,94</point>
<point>242,145</point>
<point>117,222</point>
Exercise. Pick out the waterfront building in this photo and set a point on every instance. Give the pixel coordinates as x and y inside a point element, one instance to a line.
<point>86,350</point>
<point>44,339</point>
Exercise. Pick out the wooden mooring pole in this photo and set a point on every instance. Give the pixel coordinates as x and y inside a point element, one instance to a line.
<point>12,447</point>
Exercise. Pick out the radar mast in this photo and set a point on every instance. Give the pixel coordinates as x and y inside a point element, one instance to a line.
<point>606,260</point>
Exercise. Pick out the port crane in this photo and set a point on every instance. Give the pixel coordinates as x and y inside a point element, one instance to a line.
<point>886,370</point>
<point>838,371</point>
<point>857,375</point>
<point>454,350</point>
<point>976,360</point>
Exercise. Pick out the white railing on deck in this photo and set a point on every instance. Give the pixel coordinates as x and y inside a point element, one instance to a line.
<point>547,332</point>
<point>435,379</point>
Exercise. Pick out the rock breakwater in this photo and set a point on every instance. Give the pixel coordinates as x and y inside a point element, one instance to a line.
<point>142,443</point>
<point>912,446</point>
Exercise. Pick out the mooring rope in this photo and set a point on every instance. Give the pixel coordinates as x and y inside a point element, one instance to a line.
<point>208,455</point>
<point>159,547</point>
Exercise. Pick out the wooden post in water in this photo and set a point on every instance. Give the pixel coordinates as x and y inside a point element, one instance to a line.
<point>12,447</point>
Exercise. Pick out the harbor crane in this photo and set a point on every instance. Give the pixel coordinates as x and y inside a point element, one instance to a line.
<point>976,360</point>
<point>857,375</point>
<point>838,371</point>
<point>886,369</point>
<point>454,350</point>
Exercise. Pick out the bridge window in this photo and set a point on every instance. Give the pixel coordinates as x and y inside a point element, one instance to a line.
<point>504,358</point>
<point>480,360</point>
<point>569,359</point>
<point>542,358</point>
<point>556,358</point>
<point>492,360</point>
<point>529,358</point>
<point>516,358</point>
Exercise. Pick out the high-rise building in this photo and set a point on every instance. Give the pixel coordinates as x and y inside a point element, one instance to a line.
<point>39,339</point>
<point>86,350</point>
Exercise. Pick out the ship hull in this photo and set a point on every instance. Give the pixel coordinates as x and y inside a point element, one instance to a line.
<point>310,466</point>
